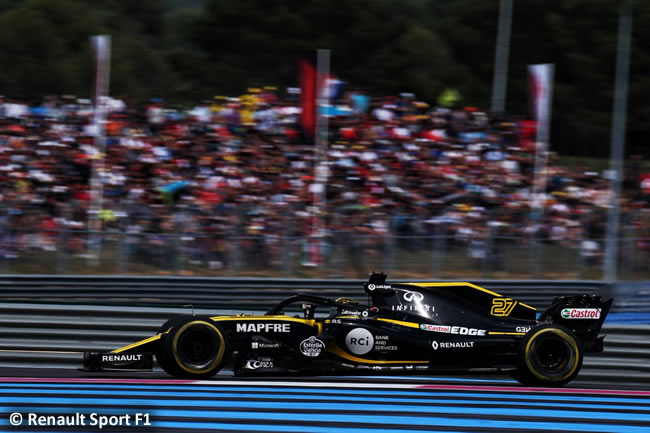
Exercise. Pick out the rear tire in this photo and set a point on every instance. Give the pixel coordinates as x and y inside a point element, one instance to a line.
<point>549,355</point>
<point>194,348</point>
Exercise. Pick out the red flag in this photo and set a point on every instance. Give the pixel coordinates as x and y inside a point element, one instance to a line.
<point>307,66</point>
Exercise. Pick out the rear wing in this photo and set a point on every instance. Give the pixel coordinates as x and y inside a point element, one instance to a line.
<point>584,315</point>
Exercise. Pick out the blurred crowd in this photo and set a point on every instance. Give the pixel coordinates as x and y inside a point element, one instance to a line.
<point>241,167</point>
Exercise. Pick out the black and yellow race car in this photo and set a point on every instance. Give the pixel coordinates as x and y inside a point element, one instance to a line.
<point>405,328</point>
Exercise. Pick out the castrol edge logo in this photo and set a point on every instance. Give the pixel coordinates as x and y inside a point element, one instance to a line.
<point>581,313</point>
<point>445,329</point>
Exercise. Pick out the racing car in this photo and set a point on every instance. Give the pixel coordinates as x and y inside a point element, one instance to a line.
<point>403,328</point>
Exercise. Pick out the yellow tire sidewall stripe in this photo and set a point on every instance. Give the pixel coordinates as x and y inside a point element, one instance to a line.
<point>567,338</point>
<point>217,359</point>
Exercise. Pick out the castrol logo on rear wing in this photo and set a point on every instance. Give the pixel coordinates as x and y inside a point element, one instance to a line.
<point>581,313</point>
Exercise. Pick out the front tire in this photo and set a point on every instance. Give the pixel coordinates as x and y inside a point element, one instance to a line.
<point>194,348</point>
<point>549,355</point>
<point>166,329</point>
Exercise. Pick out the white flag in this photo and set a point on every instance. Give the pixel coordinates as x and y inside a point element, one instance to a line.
<point>102,47</point>
<point>541,81</point>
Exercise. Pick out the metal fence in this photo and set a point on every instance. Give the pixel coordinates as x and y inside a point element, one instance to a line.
<point>255,293</point>
<point>337,255</point>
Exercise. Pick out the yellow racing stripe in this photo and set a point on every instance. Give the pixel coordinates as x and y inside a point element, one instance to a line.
<point>505,333</point>
<point>276,317</point>
<point>466,284</point>
<point>400,322</point>
<point>139,343</point>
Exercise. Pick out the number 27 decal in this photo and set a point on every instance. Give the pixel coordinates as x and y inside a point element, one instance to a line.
<point>502,306</point>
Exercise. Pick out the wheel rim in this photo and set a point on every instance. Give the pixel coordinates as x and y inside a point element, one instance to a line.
<point>553,355</point>
<point>198,347</point>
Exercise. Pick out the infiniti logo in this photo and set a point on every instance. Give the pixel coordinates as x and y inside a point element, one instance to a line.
<point>413,296</point>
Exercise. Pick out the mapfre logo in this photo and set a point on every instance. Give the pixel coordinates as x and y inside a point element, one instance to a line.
<point>581,313</point>
<point>359,341</point>
<point>413,296</point>
<point>263,327</point>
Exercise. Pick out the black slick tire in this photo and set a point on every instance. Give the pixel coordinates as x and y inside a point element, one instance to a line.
<point>164,330</point>
<point>549,355</point>
<point>193,348</point>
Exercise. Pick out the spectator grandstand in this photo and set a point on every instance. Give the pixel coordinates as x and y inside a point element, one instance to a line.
<point>396,169</point>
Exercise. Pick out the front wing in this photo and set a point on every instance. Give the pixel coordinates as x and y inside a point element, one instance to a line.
<point>131,361</point>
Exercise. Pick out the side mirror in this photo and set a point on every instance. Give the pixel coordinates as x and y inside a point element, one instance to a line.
<point>308,311</point>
